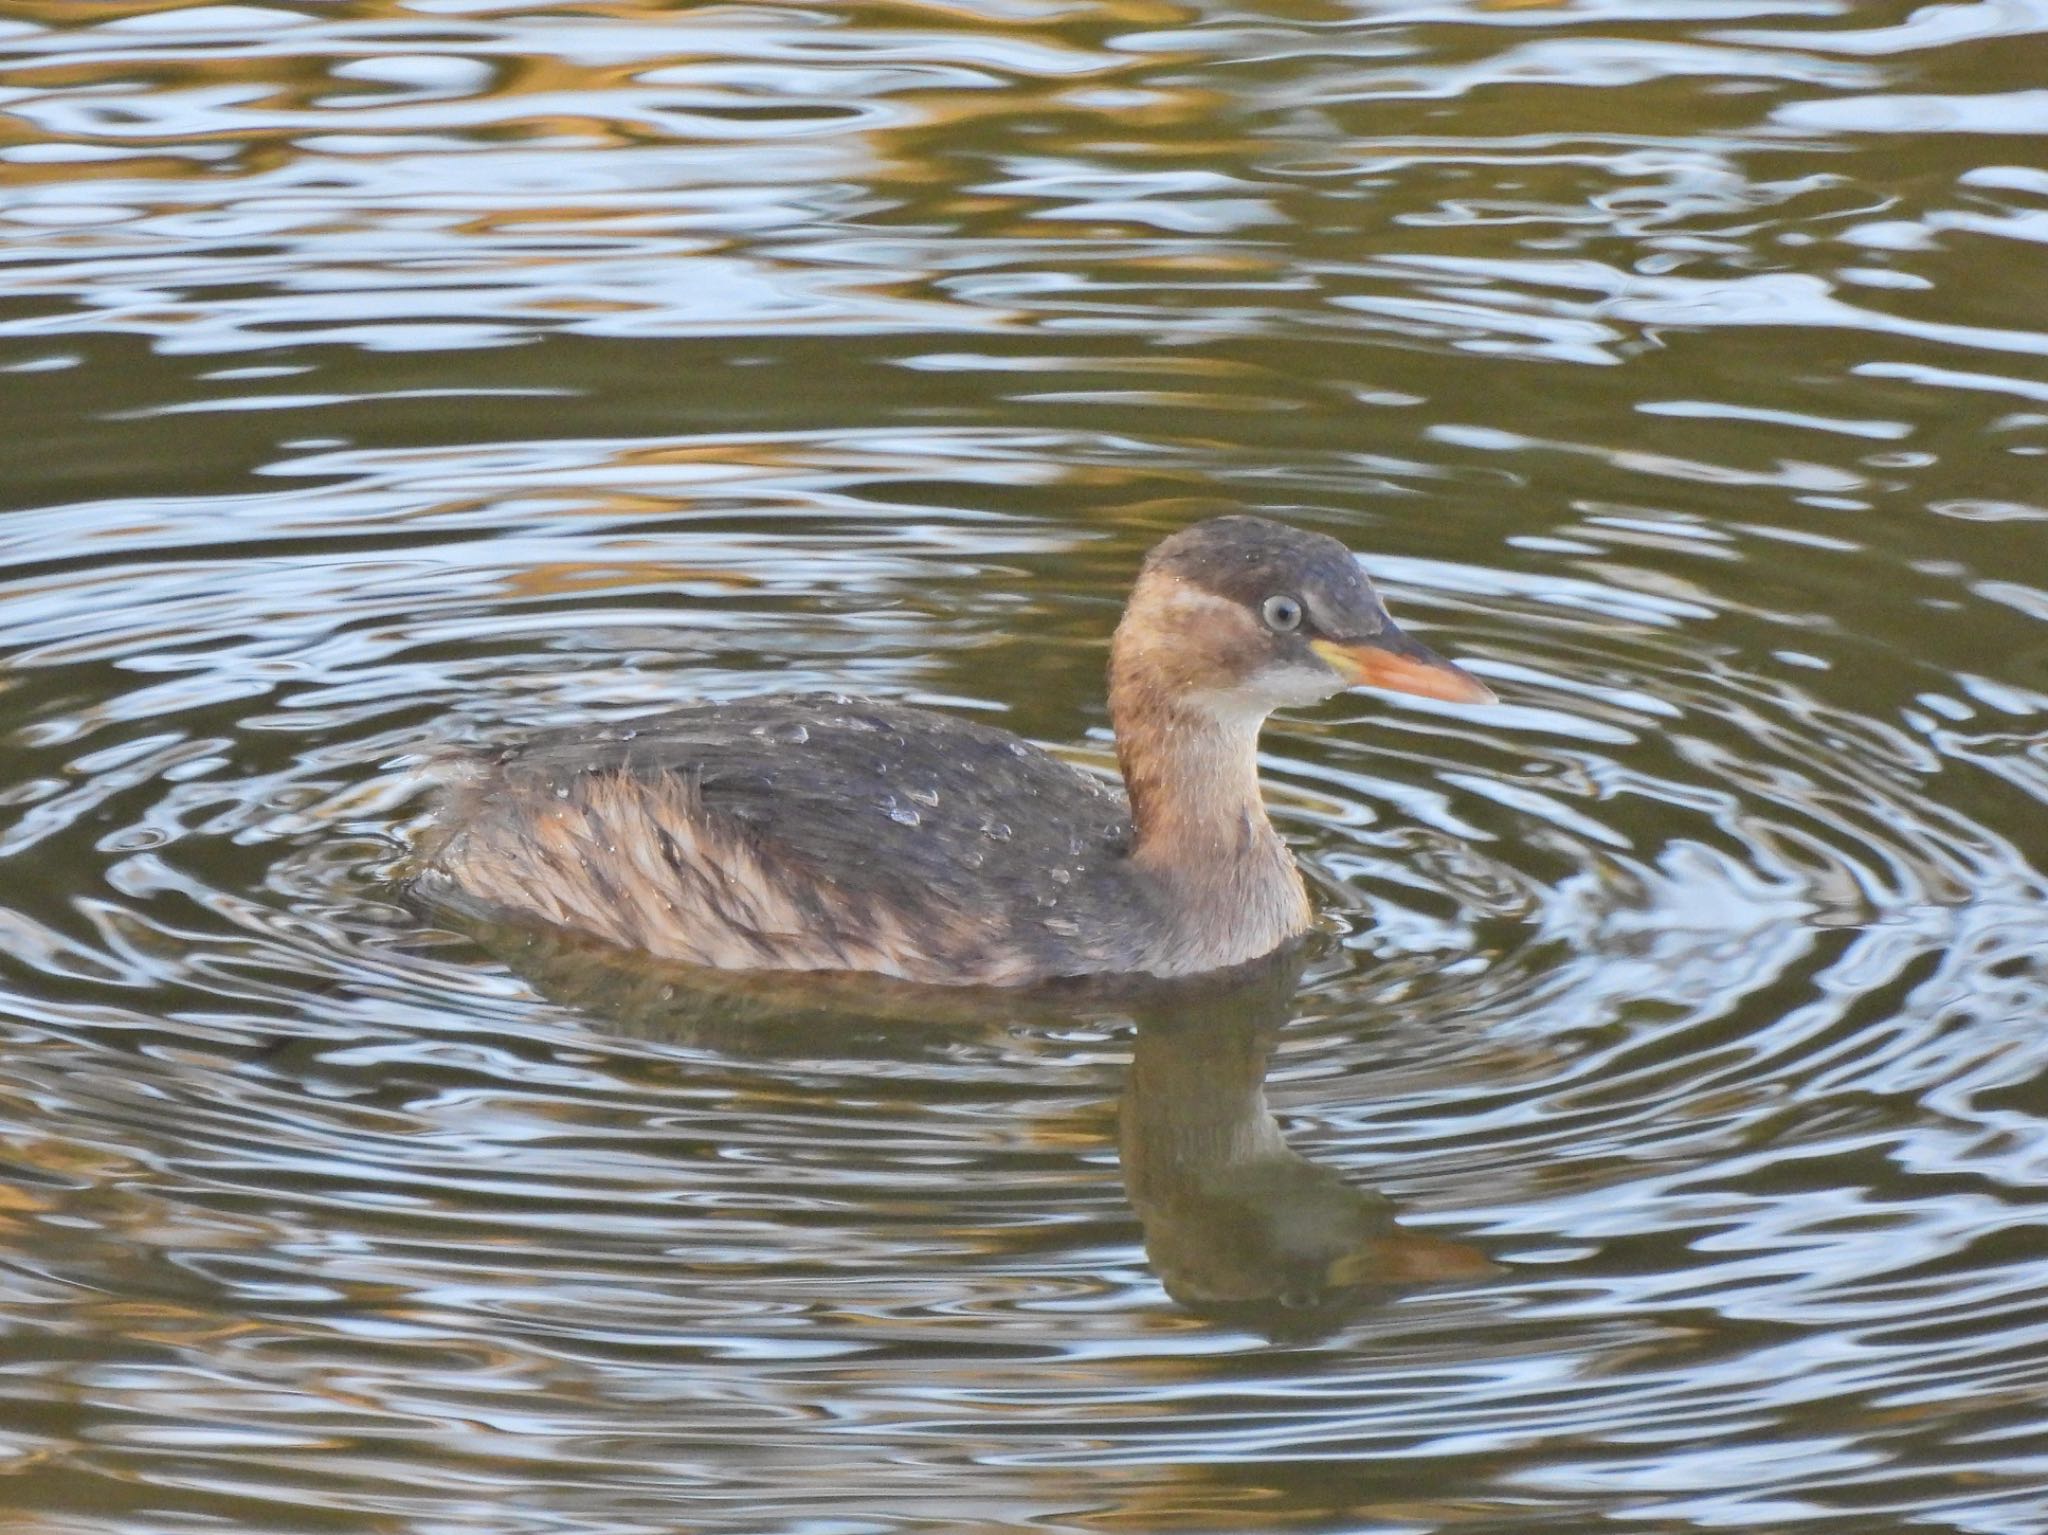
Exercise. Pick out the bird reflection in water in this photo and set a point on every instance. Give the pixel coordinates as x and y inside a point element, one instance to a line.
<point>1238,1226</point>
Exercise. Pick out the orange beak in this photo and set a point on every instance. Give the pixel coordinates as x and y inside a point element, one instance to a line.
<point>1391,660</point>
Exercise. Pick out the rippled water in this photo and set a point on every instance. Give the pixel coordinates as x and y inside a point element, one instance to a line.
<point>1662,1145</point>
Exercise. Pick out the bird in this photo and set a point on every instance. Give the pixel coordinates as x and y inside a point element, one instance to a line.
<point>828,833</point>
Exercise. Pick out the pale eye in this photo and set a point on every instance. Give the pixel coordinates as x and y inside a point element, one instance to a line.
<point>1281,614</point>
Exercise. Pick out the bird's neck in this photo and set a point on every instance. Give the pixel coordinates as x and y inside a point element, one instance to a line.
<point>1193,779</point>
<point>1199,822</point>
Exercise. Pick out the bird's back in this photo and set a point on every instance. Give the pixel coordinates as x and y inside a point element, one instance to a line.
<point>813,833</point>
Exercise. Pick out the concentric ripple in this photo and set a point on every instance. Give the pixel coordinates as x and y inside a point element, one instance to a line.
<point>1657,1139</point>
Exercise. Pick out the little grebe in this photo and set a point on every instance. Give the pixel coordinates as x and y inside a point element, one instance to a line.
<point>824,833</point>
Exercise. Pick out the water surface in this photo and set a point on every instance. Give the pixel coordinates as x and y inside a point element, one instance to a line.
<point>1659,1144</point>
